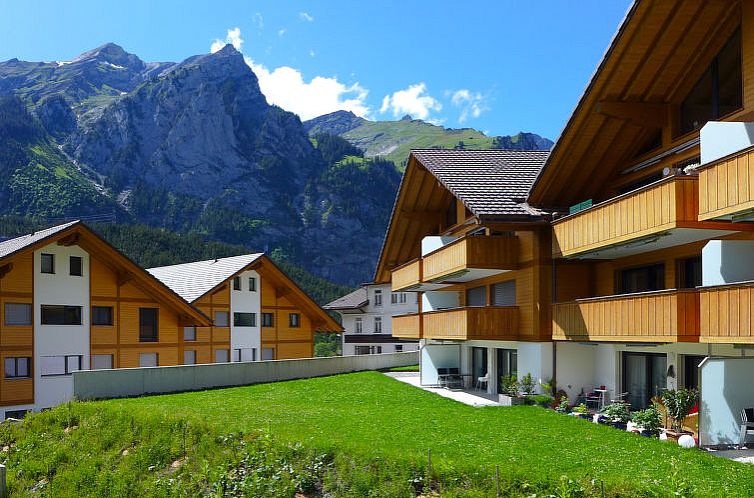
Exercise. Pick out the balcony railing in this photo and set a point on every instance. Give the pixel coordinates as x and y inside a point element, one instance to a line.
<point>407,276</point>
<point>726,313</point>
<point>633,217</point>
<point>660,316</point>
<point>726,187</point>
<point>489,322</point>
<point>407,326</point>
<point>471,253</point>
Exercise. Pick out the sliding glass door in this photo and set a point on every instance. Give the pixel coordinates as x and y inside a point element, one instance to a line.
<point>644,376</point>
<point>507,364</point>
<point>478,362</point>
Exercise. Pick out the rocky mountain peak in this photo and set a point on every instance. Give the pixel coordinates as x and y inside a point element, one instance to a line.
<point>113,54</point>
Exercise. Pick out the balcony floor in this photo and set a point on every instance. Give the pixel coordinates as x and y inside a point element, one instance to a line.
<point>469,397</point>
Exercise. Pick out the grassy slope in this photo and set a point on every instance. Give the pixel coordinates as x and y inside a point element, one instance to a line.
<point>377,137</point>
<point>355,419</point>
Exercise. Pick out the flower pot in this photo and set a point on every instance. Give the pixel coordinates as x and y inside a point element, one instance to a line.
<point>619,425</point>
<point>673,436</point>
<point>648,433</point>
<point>506,400</point>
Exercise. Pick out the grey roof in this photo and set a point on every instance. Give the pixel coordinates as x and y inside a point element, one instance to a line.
<point>12,246</point>
<point>354,300</point>
<point>489,182</point>
<point>192,280</point>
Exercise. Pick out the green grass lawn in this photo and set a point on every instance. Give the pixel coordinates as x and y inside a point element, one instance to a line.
<point>408,368</point>
<point>360,434</point>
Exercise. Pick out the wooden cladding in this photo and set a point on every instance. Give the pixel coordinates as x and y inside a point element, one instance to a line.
<point>661,316</point>
<point>480,252</point>
<point>726,313</point>
<point>462,324</point>
<point>407,326</point>
<point>658,207</point>
<point>407,276</point>
<point>726,187</point>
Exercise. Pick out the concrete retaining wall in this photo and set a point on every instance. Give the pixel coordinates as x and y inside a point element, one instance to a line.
<point>123,382</point>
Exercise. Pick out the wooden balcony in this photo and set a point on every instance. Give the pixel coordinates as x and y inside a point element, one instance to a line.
<point>661,316</point>
<point>489,322</point>
<point>726,188</point>
<point>470,258</point>
<point>407,276</point>
<point>726,313</point>
<point>659,215</point>
<point>407,326</point>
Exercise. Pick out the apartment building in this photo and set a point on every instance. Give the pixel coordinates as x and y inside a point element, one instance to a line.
<point>70,301</point>
<point>650,186</point>
<point>366,314</point>
<point>258,312</point>
<point>462,235</point>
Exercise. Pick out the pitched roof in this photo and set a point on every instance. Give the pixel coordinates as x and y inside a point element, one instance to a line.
<point>192,280</point>
<point>488,182</point>
<point>354,300</point>
<point>14,245</point>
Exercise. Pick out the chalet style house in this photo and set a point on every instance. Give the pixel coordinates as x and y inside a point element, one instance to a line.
<point>366,314</point>
<point>70,301</point>
<point>624,257</point>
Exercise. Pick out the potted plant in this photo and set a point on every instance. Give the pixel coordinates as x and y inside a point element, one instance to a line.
<point>581,411</point>
<point>543,400</point>
<point>527,384</point>
<point>563,404</point>
<point>511,391</point>
<point>618,413</point>
<point>649,421</point>
<point>678,403</point>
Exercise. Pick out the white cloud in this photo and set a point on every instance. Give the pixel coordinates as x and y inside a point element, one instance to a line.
<point>472,104</point>
<point>233,37</point>
<point>282,31</point>
<point>312,53</point>
<point>305,16</point>
<point>414,101</point>
<point>258,20</point>
<point>286,87</point>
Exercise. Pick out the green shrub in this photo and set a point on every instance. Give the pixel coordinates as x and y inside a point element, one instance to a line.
<point>618,412</point>
<point>649,420</point>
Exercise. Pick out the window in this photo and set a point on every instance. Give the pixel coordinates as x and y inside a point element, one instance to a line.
<point>504,293</point>
<point>236,283</point>
<point>102,361</point>
<point>267,320</point>
<point>75,266</point>
<point>59,365</point>
<point>393,298</point>
<point>222,356</point>
<point>16,414</point>
<point>362,350</point>
<point>17,314</point>
<point>102,315</point>
<point>379,349</point>
<point>358,326</point>
<point>718,91</point>
<point>17,368</point>
<point>507,365</point>
<point>148,360</point>
<point>189,357</point>
<point>268,353</point>
<point>236,355</point>
<point>252,284</point>
<point>148,324</point>
<point>378,325</point>
<point>294,320</point>
<point>244,319</point>
<point>399,348</point>
<point>476,296</point>
<point>48,263</point>
<point>378,298</point>
<point>640,279</point>
<point>689,273</point>
<point>61,315</point>
<point>402,298</point>
<point>244,354</point>
<point>189,333</point>
<point>221,318</point>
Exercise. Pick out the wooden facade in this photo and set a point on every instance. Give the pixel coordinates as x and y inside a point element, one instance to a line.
<point>726,314</point>
<point>406,276</point>
<point>726,187</point>
<point>408,326</point>
<point>474,252</point>
<point>662,316</point>
<point>472,323</point>
<point>16,286</point>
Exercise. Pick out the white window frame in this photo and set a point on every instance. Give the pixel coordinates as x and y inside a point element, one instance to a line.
<point>358,325</point>
<point>377,325</point>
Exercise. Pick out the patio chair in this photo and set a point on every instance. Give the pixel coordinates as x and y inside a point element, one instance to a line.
<point>480,381</point>
<point>454,378</point>
<point>442,376</point>
<point>747,424</point>
<point>592,399</point>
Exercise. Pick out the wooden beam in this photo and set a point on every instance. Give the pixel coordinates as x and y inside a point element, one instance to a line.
<point>429,216</point>
<point>123,277</point>
<point>642,114</point>
<point>5,269</point>
<point>69,240</point>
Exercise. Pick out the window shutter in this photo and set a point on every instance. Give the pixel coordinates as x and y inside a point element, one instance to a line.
<point>504,293</point>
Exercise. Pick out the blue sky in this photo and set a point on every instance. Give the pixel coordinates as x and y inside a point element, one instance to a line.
<point>498,66</point>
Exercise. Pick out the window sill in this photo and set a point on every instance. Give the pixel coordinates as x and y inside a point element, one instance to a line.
<point>148,340</point>
<point>58,375</point>
<point>16,378</point>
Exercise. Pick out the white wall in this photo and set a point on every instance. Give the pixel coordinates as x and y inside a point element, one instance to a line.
<point>535,358</point>
<point>575,367</point>
<point>246,301</point>
<point>727,261</point>
<point>435,242</point>
<point>59,288</point>
<point>726,389</point>
<point>720,139</point>
<point>434,356</point>
<point>437,300</point>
